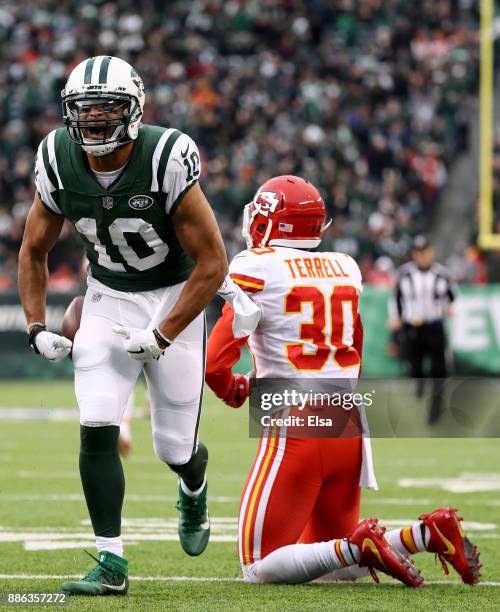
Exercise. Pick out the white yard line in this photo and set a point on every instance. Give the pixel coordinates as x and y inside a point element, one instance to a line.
<point>379,499</point>
<point>157,529</point>
<point>211,579</point>
<point>397,501</point>
<point>78,497</point>
<point>141,578</point>
<point>466,482</point>
<point>39,414</point>
<point>226,499</point>
<point>43,475</point>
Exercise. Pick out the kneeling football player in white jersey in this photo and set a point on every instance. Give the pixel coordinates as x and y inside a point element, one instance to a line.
<point>299,511</point>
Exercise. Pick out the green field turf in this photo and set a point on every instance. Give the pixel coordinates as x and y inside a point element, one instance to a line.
<point>42,509</point>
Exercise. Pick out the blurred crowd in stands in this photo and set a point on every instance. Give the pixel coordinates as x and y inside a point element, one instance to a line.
<point>368,99</point>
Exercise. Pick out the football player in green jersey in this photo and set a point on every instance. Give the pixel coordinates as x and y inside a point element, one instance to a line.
<point>156,258</point>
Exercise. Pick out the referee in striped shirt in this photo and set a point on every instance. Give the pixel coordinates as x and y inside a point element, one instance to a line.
<point>423,297</point>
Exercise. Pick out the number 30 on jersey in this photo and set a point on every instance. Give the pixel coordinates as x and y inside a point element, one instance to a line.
<point>343,307</point>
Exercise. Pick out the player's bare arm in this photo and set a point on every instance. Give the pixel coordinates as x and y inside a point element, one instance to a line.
<point>199,236</point>
<point>40,234</point>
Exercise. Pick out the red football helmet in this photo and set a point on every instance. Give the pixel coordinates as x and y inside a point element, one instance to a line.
<point>286,211</point>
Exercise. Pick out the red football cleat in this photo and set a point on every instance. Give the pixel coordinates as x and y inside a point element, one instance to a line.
<point>450,544</point>
<point>377,553</point>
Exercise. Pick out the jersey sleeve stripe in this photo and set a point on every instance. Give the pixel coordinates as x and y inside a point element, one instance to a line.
<point>165,154</point>
<point>250,279</point>
<point>156,158</point>
<point>248,289</point>
<point>178,200</point>
<point>248,283</point>
<point>243,283</point>
<point>48,168</point>
<point>52,211</point>
<point>45,178</point>
<point>51,147</point>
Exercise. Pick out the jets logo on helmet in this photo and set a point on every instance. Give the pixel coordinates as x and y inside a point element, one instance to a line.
<point>286,211</point>
<point>103,103</point>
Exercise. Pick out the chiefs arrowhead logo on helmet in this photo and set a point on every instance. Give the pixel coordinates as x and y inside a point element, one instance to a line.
<point>286,211</point>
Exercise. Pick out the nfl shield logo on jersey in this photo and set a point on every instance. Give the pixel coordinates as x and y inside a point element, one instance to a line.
<point>107,202</point>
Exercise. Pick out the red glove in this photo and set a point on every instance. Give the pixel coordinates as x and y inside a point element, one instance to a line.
<point>238,391</point>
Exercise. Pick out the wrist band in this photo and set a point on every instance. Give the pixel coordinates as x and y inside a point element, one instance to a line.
<point>32,325</point>
<point>34,330</point>
<point>160,339</point>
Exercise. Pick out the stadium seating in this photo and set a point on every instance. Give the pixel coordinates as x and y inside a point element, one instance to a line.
<point>367,99</point>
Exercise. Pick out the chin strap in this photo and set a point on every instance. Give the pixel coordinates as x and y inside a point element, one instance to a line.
<point>268,231</point>
<point>326,225</point>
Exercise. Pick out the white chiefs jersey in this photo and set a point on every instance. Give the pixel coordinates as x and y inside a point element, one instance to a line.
<point>309,303</point>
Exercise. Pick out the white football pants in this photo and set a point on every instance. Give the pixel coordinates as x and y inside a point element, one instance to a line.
<point>105,374</point>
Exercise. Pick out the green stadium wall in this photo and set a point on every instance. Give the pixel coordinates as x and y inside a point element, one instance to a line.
<point>473,331</point>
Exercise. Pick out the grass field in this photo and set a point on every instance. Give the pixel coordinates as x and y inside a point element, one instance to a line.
<point>44,524</point>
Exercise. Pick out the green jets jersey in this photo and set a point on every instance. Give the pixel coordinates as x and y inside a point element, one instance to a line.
<point>127,229</point>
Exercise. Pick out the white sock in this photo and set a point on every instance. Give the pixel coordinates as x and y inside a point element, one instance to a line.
<point>113,545</point>
<point>409,540</point>
<point>304,562</point>
<point>192,493</point>
<point>346,574</point>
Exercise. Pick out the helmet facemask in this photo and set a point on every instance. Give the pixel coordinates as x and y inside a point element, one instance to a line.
<point>249,213</point>
<point>101,123</point>
<point>255,236</point>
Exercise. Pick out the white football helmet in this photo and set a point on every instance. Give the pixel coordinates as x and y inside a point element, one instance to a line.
<point>103,93</point>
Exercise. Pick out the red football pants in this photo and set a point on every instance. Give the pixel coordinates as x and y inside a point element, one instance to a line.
<point>299,490</point>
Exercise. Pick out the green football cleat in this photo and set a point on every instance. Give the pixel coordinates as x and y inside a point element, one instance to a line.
<point>109,577</point>
<point>194,522</point>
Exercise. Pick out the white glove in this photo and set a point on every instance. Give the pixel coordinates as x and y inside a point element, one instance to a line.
<point>52,346</point>
<point>140,344</point>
